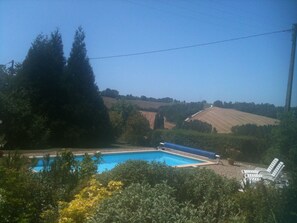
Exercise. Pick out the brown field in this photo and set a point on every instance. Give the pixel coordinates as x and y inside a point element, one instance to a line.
<point>150,116</point>
<point>141,104</point>
<point>224,119</point>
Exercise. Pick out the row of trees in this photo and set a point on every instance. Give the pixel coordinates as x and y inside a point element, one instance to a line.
<point>264,132</point>
<point>115,94</point>
<point>51,101</point>
<point>268,110</point>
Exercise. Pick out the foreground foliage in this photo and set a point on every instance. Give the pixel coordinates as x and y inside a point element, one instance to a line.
<point>137,191</point>
<point>26,196</point>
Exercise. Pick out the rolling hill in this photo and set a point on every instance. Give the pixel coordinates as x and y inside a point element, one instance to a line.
<point>224,119</point>
<point>150,116</point>
<point>139,103</point>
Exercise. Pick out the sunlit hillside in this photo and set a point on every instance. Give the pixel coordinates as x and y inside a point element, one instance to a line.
<point>224,119</point>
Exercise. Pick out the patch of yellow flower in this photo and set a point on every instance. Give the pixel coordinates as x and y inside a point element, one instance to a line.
<point>85,202</point>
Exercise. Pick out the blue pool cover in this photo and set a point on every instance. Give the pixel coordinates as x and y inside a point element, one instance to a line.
<point>199,152</point>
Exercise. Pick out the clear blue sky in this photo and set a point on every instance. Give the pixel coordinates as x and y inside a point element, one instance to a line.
<point>249,70</point>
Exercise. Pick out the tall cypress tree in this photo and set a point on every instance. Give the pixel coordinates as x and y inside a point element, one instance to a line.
<point>159,121</point>
<point>90,124</point>
<point>42,72</point>
<point>41,77</point>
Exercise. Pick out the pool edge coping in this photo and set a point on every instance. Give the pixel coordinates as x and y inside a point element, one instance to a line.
<point>204,160</point>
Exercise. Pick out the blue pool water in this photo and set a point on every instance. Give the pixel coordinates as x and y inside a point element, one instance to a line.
<point>109,161</point>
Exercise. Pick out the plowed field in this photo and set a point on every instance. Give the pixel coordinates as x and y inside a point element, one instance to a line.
<point>224,119</point>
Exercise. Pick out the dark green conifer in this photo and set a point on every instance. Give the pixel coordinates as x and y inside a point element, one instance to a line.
<point>88,117</point>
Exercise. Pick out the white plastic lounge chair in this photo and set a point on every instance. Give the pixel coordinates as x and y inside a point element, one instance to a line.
<point>260,170</point>
<point>253,178</point>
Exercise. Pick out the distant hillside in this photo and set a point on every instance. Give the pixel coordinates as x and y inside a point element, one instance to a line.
<point>142,105</point>
<point>150,116</point>
<point>224,119</point>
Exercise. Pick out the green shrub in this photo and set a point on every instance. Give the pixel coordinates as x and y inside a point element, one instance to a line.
<point>288,200</point>
<point>15,160</point>
<point>137,171</point>
<point>261,204</point>
<point>200,185</point>
<point>210,195</point>
<point>22,196</point>
<point>196,125</point>
<point>139,203</point>
<point>159,203</point>
<point>250,148</point>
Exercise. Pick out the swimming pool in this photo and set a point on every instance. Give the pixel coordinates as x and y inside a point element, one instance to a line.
<point>110,160</point>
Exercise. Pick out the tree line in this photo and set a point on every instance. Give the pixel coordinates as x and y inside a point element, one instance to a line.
<point>265,109</point>
<point>115,94</point>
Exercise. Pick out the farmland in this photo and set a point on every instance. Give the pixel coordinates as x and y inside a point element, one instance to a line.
<point>145,105</point>
<point>150,116</point>
<point>224,119</point>
<point>220,118</point>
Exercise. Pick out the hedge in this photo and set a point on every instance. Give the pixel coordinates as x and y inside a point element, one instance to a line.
<point>242,148</point>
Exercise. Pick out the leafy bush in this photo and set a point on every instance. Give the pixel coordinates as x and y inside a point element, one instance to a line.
<point>22,196</point>
<point>88,166</point>
<point>146,203</point>
<point>14,160</point>
<point>261,204</point>
<point>210,194</point>
<point>137,171</point>
<point>197,125</point>
<point>200,185</point>
<point>139,203</point>
<point>82,206</point>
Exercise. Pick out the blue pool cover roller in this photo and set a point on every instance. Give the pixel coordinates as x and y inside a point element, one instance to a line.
<point>199,152</point>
